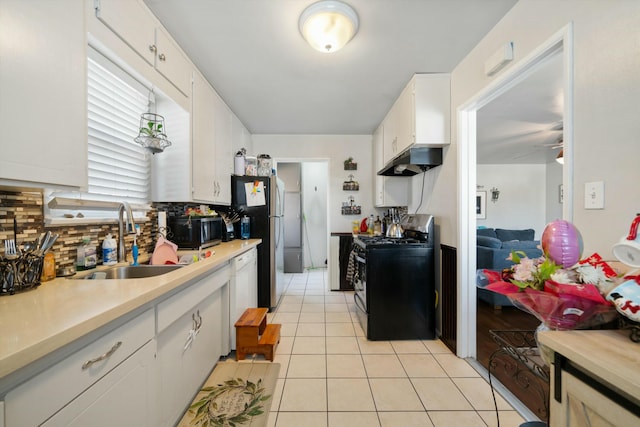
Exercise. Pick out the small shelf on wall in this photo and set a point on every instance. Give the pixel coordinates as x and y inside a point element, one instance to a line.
<point>351,210</point>
<point>350,165</point>
<point>350,185</point>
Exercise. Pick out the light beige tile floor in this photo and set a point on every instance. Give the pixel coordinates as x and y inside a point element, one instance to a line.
<point>332,376</point>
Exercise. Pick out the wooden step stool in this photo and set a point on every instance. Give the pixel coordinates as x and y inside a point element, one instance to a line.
<point>253,335</point>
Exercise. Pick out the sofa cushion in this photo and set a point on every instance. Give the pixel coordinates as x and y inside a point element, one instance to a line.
<point>507,235</point>
<point>520,245</point>
<point>489,242</point>
<point>488,232</point>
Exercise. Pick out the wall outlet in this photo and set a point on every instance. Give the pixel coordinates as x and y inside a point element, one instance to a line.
<point>594,195</point>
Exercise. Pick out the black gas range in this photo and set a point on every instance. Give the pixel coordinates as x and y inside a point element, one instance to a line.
<point>380,241</point>
<point>394,282</point>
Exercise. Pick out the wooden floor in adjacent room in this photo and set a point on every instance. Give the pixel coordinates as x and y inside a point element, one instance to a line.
<point>509,318</point>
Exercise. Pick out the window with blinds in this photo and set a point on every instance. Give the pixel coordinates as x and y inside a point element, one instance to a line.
<point>118,168</point>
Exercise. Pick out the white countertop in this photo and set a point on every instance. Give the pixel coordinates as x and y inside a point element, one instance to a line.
<point>607,354</point>
<point>37,322</point>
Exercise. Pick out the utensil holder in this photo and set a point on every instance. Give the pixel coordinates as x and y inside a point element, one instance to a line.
<point>20,273</point>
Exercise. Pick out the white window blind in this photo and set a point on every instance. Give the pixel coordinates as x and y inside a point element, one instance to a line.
<point>118,168</point>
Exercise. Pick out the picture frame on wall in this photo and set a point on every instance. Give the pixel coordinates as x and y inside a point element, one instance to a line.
<point>481,205</point>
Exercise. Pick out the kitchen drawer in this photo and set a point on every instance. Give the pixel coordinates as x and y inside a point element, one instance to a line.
<point>125,397</point>
<point>40,397</point>
<point>174,307</point>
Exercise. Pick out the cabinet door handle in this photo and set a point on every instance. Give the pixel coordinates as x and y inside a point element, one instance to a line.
<point>197,321</point>
<point>153,48</point>
<point>161,57</point>
<point>108,354</point>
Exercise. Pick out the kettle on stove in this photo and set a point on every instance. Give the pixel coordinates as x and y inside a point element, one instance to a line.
<point>395,229</point>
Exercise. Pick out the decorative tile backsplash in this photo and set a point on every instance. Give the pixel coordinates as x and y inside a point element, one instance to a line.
<point>27,208</point>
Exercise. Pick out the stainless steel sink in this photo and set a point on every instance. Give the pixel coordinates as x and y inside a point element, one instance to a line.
<point>130,272</point>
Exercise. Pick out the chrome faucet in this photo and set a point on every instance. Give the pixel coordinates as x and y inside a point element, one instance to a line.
<point>130,226</point>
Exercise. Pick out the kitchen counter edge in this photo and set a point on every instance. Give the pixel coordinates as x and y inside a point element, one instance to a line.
<point>607,354</point>
<point>40,321</point>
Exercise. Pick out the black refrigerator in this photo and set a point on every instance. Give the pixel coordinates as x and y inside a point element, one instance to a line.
<point>261,198</point>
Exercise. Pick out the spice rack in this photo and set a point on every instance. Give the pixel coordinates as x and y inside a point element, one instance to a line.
<point>350,208</point>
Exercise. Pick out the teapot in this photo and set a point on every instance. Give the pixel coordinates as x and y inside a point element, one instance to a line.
<point>395,229</point>
<point>627,250</point>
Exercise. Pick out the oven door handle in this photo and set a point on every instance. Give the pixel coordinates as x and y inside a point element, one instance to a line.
<point>358,301</point>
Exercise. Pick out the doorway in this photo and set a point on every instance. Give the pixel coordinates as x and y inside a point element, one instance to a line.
<point>559,44</point>
<point>519,138</point>
<point>306,218</point>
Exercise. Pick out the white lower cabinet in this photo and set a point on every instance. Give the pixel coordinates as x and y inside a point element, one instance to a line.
<point>191,328</point>
<point>244,288</point>
<point>123,398</point>
<point>108,374</point>
<point>144,372</point>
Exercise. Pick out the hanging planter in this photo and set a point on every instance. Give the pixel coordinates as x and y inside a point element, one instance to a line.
<point>152,133</point>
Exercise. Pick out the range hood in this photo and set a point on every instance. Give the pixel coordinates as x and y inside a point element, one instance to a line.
<point>412,161</point>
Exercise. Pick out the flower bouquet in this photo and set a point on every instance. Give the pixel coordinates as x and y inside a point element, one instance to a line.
<point>563,292</point>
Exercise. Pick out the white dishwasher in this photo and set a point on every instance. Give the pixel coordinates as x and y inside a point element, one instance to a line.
<point>244,289</point>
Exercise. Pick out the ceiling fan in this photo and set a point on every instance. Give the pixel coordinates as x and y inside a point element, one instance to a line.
<point>555,142</point>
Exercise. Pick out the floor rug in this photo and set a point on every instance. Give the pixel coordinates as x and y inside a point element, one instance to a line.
<point>235,394</point>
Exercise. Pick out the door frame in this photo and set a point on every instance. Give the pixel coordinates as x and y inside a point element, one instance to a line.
<point>562,41</point>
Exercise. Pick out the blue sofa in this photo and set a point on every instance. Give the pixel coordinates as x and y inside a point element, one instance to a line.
<point>493,248</point>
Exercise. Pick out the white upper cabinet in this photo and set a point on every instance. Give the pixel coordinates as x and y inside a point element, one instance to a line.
<point>204,149</point>
<point>171,63</point>
<point>134,23</point>
<point>240,136</point>
<point>387,191</point>
<point>222,116</point>
<point>420,115</point>
<point>199,172</point>
<point>43,93</point>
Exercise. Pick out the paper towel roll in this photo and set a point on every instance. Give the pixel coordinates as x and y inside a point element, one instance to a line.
<point>238,165</point>
<point>162,221</point>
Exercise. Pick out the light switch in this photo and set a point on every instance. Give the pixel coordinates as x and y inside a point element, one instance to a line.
<point>594,195</point>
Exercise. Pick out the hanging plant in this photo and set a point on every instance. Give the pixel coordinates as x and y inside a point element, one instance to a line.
<point>153,129</point>
<point>151,133</point>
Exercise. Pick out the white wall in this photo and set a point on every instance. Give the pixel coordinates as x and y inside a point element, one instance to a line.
<point>553,208</point>
<point>606,93</point>
<point>522,199</point>
<point>336,149</point>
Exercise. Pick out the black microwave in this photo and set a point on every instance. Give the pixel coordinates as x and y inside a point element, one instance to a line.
<point>195,232</point>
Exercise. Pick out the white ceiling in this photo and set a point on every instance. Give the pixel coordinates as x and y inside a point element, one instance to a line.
<point>253,54</point>
<point>524,125</point>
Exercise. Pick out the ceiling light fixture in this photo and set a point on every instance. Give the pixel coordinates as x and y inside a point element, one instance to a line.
<point>560,157</point>
<point>328,25</point>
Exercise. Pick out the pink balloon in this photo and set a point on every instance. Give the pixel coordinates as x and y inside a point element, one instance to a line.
<point>562,243</point>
